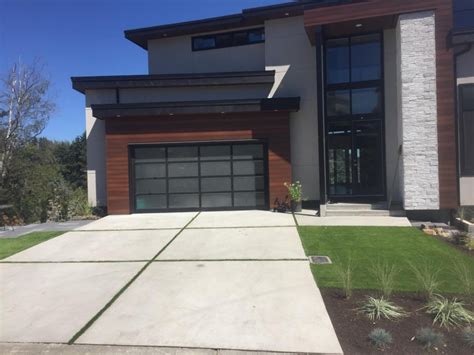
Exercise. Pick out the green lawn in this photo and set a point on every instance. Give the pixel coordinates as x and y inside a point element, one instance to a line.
<point>364,246</point>
<point>10,246</point>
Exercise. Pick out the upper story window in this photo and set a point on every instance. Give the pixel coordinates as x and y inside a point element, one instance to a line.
<point>228,39</point>
<point>463,14</point>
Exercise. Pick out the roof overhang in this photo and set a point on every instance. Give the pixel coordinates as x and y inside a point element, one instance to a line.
<point>82,84</point>
<point>462,36</point>
<point>368,13</point>
<point>103,111</point>
<point>247,18</point>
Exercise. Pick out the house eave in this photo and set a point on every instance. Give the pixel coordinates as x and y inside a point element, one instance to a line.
<point>82,84</point>
<point>287,104</point>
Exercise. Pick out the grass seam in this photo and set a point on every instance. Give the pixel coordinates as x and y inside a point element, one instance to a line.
<point>125,287</point>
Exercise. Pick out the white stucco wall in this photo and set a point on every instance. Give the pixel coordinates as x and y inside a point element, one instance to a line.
<point>465,75</point>
<point>418,110</point>
<point>96,158</point>
<point>392,138</point>
<point>289,52</point>
<point>194,93</point>
<point>175,55</point>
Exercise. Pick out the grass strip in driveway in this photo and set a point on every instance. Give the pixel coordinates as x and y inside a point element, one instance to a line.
<point>10,246</point>
<point>365,246</point>
<point>127,285</point>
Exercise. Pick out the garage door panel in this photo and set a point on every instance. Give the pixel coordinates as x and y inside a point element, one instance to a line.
<point>215,152</point>
<point>199,176</point>
<point>249,183</point>
<point>150,170</point>
<point>150,186</point>
<point>248,167</point>
<point>219,184</point>
<point>187,153</point>
<point>183,185</point>
<point>184,200</point>
<point>149,202</point>
<point>215,200</point>
<point>215,168</point>
<point>183,170</point>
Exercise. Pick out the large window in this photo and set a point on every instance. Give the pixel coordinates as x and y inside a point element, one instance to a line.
<point>354,116</point>
<point>464,14</point>
<point>466,129</point>
<point>229,39</point>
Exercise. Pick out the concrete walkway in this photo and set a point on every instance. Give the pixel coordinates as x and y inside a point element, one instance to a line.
<point>209,282</point>
<point>18,231</point>
<point>309,218</point>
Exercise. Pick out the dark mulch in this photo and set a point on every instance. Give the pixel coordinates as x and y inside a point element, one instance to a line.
<point>352,328</point>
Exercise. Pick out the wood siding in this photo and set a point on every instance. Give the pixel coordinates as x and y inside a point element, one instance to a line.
<point>121,132</point>
<point>444,66</point>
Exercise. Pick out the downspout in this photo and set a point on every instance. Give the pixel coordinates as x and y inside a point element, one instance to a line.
<point>321,120</point>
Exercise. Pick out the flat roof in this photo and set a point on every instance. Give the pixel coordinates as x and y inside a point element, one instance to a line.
<point>247,18</point>
<point>84,83</point>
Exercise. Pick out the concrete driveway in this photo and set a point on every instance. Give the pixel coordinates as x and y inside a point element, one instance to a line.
<point>210,280</point>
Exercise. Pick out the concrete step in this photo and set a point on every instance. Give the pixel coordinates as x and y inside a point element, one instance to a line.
<point>357,206</point>
<point>364,212</point>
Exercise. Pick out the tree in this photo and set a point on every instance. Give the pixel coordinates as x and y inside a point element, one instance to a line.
<point>25,109</point>
<point>72,159</point>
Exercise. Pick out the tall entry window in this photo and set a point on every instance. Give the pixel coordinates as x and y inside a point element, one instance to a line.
<point>354,116</point>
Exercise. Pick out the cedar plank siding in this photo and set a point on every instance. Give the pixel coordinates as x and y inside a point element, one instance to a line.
<point>121,132</point>
<point>444,67</point>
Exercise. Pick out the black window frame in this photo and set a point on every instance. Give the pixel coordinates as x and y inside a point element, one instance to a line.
<point>232,42</point>
<point>463,170</point>
<point>353,118</point>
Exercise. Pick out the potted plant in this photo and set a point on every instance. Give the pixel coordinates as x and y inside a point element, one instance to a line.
<point>295,191</point>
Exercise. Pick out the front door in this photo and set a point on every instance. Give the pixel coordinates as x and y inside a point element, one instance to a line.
<point>354,118</point>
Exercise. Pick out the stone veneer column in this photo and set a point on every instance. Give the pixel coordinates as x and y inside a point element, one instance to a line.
<point>418,110</point>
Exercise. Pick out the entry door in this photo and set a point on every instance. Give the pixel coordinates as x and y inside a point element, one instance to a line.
<point>199,176</point>
<point>354,117</point>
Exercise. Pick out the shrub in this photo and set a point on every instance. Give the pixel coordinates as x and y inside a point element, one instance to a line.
<point>78,205</point>
<point>448,312</point>
<point>376,308</point>
<point>385,275</point>
<point>468,336</point>
<point>344,272</point>
<point>380,338</point>
<point>429,338</point>
<point>427,278</point>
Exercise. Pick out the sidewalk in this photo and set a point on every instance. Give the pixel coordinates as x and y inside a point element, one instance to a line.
<point>40,227</point>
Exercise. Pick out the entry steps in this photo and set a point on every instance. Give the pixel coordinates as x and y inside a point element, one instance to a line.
<point>363,209</point>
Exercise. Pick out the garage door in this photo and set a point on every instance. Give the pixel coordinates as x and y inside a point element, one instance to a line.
<point>199,176</point>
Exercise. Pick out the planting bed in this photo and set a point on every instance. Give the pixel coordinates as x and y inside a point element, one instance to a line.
<point>352,328</point>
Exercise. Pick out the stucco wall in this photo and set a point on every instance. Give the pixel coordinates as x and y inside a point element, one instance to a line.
<point>418,110</point>
<point>95,134</point>
<point>175,55</point>
<point>289,52</point>
<point>465,75</point>
<point>392,139</point>
<point>194,93</point>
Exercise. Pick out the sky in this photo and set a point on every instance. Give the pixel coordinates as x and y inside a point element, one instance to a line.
<point>85,38</point>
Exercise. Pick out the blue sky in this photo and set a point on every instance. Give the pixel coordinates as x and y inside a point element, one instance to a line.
<point>85,37</point>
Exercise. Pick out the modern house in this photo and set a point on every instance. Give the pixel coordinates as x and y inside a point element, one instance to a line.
<point>355,99</point>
